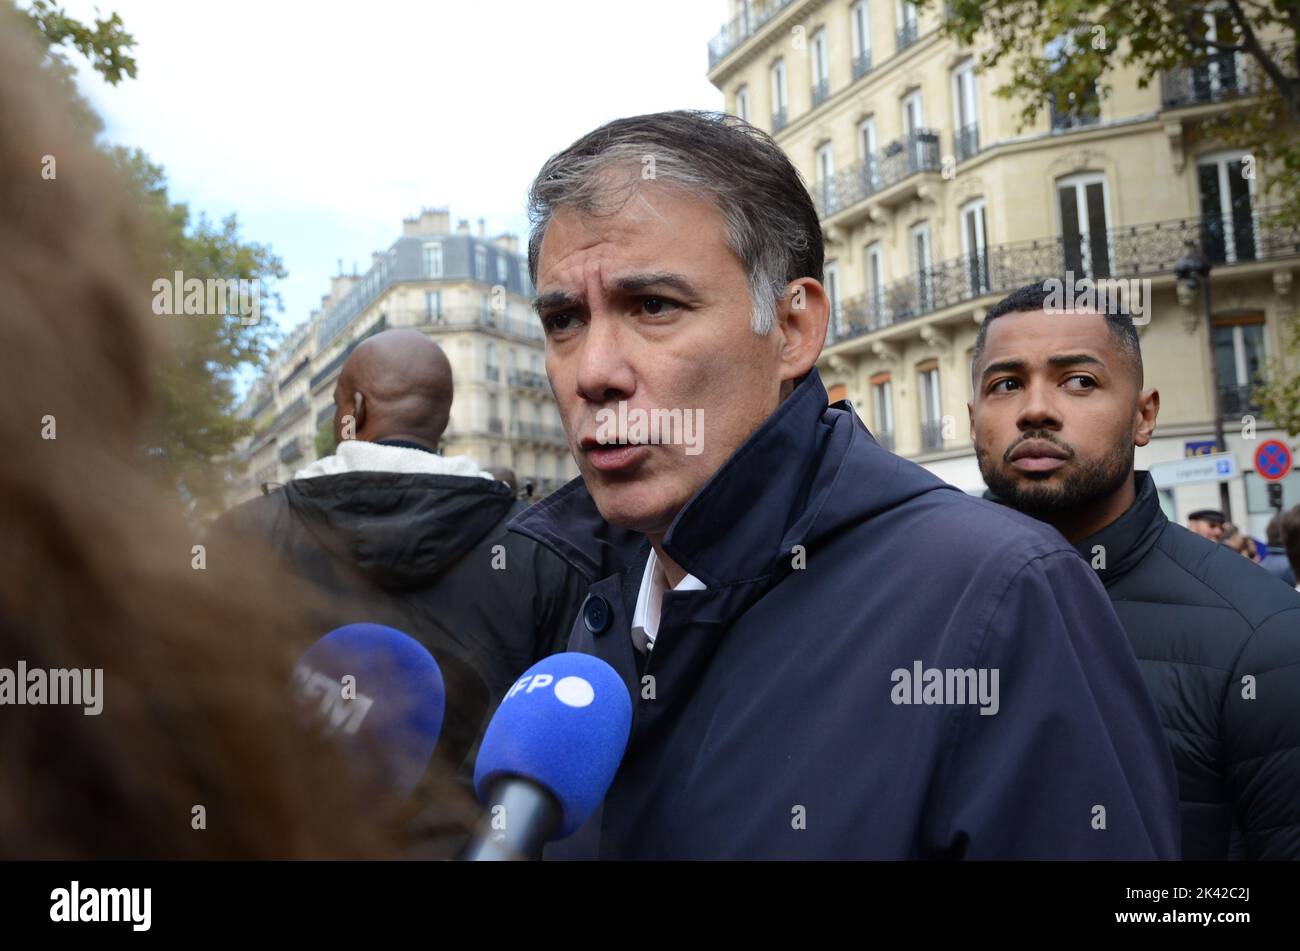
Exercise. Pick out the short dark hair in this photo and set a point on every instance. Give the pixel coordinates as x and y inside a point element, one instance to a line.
<point>1291,537</point>
<point>1033,297</point>
<point>771,222</point>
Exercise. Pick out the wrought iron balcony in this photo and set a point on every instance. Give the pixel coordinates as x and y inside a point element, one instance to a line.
<point>492,373</point>
<point>1073,117</point>
<point>780,119</point>
<point>931,434</point>
<point>741,27</point>
<point>821,91</point>
<point>1223,76</point>
<point>1238,401</point>
<point>861,65</point>
<point>291,450</point>
<point>966,141</point>
<point>900,159</point>
<point>528,380</point>
<point>1136,251</point>
<point>905,36</point>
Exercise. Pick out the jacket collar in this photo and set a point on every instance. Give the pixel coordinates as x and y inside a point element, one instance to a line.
<point>735,527</point>
<point>1127,540</point>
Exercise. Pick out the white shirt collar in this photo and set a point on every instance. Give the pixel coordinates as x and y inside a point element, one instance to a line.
<point>649,602</point>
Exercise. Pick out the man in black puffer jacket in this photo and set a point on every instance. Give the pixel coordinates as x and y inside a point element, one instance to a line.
<point>1057,411</point>
<point>387,530</point>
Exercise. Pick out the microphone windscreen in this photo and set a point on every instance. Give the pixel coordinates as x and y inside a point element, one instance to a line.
<point>379,693</point>
<point>563,725</point>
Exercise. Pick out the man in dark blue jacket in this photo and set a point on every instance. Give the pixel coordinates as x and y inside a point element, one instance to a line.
<point>1059,407</point>
<point>832,653</point>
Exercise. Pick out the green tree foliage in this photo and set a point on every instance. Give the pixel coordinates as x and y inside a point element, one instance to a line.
<point>197,429</point>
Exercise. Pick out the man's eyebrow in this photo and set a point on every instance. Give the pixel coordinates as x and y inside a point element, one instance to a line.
<point>637,283</point>
<point>1060,360</point>
<point>552,300</point>
<point>631,284</point>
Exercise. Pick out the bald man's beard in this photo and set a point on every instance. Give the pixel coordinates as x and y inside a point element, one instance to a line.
<point>1086,482</point>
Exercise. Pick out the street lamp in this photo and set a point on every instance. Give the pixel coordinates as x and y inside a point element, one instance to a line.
<point>1191,271</point>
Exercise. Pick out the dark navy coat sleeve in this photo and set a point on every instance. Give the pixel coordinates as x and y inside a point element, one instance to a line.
<point>1073,765</point>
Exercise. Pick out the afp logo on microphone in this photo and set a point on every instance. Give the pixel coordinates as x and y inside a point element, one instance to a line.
<point>572,691</point>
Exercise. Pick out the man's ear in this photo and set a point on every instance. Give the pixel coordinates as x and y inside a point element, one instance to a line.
<point>358,413</point>
<point>801,320</point>
<point>1148,408</point>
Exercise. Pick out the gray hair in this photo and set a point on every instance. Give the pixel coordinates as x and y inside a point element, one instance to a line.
<point>771,223</point>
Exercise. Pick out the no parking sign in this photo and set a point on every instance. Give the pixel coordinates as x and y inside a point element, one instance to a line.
<point>1273,460</point>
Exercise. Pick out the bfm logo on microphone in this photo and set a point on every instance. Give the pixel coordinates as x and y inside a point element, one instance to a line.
<point>570,691</point>
<point>341,707</point>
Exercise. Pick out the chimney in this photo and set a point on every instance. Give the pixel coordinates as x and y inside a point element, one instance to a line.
<point>430,221</point>
<point>482,228</point>
<point>462,227</point>
<point>507,242</point>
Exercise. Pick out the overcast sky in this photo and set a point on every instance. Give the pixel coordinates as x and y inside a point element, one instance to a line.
<point>322,125</point>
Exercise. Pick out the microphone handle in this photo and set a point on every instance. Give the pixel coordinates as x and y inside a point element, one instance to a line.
<point>532,816</point>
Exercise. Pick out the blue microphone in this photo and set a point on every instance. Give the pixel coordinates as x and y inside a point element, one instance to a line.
<point>379,694</point>
<point>549,755</point>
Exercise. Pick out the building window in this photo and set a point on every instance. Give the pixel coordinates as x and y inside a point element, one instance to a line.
<point>825,179</point>
<point>875,284</point>
<point>882,409</point>
<point>905,13</point>
<point>832,274</point>
<point>480,263</point>
<point>780,102</point>
<point>931,405</point>
<point>1075,111</point>
<point>974,247</point>
<point>965,105</point>
<point>433,306</point>
<point>1239,354</point>
<point>1085,225</point>
<point>1229,221</point>
<point>491,370</point>
<point>821,77</point>
<point>921,265</point>
<point>501,268</point>
<point>860,37</point>
<point>742,103</point>
<point>433,259</point>
<point>867,149</point>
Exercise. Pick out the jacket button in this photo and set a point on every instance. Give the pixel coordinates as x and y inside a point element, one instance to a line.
<point>595,614</point>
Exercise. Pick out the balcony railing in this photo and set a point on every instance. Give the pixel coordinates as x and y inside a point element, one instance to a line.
<point>537,432</point>
<point>861,65</point>
<point>905,36</point>
<point>1238,401</point>
<point>291,450</point>
<point>1073,117</point>
<point>492,373</point>
<point>495,425</point>
<point>749,21</point>
<point>1223,76</point>
<point>931,434</point>
<point>900,159</point>
<point>966,141</point>
<point>821,91</point>
<point>528,380</point>
<point>1136,251</point>
<point>780,119</point>
<point>289,412</point>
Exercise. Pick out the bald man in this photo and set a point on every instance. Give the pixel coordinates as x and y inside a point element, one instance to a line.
<point>391,531</point>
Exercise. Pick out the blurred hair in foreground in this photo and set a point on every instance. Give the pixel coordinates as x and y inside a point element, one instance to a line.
<point>97,573</point>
